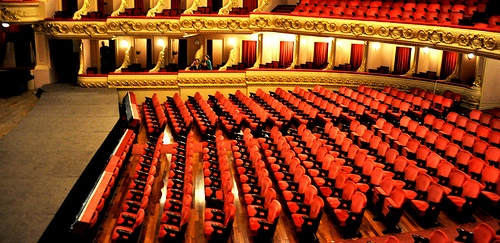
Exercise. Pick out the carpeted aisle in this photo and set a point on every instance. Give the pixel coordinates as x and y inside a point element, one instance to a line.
<point>41,159</point>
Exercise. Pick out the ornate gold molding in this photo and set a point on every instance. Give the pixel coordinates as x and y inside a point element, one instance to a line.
<point>7,15</point>
<point>160,5</point>
<point>226,9</point>
<point>194,7</point>
<point>483,43</point>
<point>121,8</point>
<point>82,11</point>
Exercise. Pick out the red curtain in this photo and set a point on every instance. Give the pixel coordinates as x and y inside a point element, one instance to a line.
<point>286,53</point>
<point>403,59</point>
<point>356,55</point>
<point>250,5</point>
<point>174,4</point>
<point>249,52</point>
<point>100,7</point>
<point>320,54</point>
<point>139,4</point>
<point>448,63</point>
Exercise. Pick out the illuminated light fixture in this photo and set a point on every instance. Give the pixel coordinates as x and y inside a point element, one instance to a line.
<point>376,45</point>
<point>232,42</point>
<point>161,42</point>
<point>5,25</point>
<point>425,50</point>
<point>303,42</point>
<point>340,43</point>
<point>124,44</point>
<point>470,56</point>
<point>186,35</point>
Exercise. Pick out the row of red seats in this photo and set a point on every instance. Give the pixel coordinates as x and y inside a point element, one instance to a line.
<point>99,196</point>
<point>205,117</point>
<point>303,204</point>
<point>263,209</point>
<point>303,112</point>
<point>255,116</point>
<point>180,119</point>
<point>481,233</point>
<point>280,115</point>
<point>129,223</point>
<point>220,210</point>
<point>379,3</point>
<point>177,208</point>
<point>456,97</point>
<point>154,115</point>
<point>467,133</point>
<point>484,119</point>
<point>228,113</point>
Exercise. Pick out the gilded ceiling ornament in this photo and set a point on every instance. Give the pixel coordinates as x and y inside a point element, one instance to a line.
<point>125,26</point>
<point>435,37</point>
<point>396,32</point>
<point>114,26</point>
<point>162,26</point>
<point>222,24</point>
<point>64,29</point>
<point>101,29</point>
<point>198,24</point>
<point>296,24</point>
<point>8,16</point>
<point>233,24</point>
<point>345,28</point>
<point>186,24</point>
<point>261,22</point>
<point>210,24</point>
<point>320,26</point>
<point>88,29</point>
<point>244,24</point>
<point>137,26</point>
<point>278,23</point>
<point>383,31</point>
<point>476,41</point>
<point>331,27</point>
<point>357,29</point>
<point>490,44</point>
<point>369,30</point>
<point>175,26</point>
<point>77,29</point>
<point>408,34</point>
<point>423,35</point>
<point>308,25</point>
<point>448,38</point>
<point>151,26</point>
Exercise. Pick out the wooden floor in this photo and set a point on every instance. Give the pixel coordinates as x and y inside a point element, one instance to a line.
<point>285,232</point>
<point>13,109</point>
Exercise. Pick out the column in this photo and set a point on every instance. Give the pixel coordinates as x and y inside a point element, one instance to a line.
<point>258,58</point>
<point>296,51</point>
<point>42,71</point>
<point>331,55</point>
<point>362,68</point>
<point>414,65</point>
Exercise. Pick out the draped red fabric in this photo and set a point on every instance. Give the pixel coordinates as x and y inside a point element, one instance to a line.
<point>174,4</point>
<point>286,53</point>
<point>139,4</point>
<point>448,63</point>
<point>100,7</point>
<point>403,59</point>
<point>249,52</point>
<point>250,5</point>
<point>356,55</point>
<point>320,54</point>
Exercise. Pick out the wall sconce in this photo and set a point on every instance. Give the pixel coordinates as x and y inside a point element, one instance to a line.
<point>425,50</point>
<point>124,44</point>
<point>161,42</point>
<point>376,45</point>
<point>470,56</point>
<point>5,25</point>
<point>340,43</point>
<point>232,42</point>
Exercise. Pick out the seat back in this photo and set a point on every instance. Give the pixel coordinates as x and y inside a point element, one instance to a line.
<point>358,202</point>
<point>435,193</point>
<point>274,211</point>
<point>471,188</point>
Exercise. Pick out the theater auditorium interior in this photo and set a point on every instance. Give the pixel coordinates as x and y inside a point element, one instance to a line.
<point>322,121</point>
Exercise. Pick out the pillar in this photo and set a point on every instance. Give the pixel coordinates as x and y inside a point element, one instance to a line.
<point>362,68</point>
<point>42,72</point>
<point>258,58</point>
<point>296,51</point>
<point>331,55</point>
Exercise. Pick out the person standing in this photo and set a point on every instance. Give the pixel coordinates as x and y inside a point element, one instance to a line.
<point>207,63</point>
<point>105,56</point>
